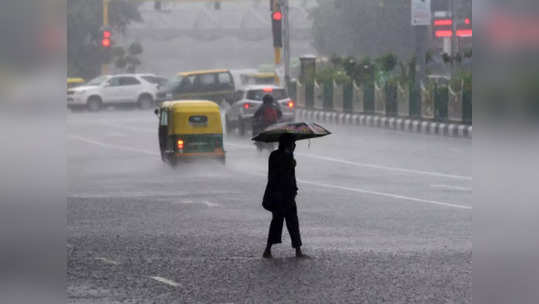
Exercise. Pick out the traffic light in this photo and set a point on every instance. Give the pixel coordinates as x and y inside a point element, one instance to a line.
<point>105,44</point>
<point>106,38</point>
<point>276,26</point>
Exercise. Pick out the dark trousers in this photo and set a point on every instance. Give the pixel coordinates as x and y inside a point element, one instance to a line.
<point>292,224</point>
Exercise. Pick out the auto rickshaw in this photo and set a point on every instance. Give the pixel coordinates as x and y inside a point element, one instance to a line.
<point>190,129</point>
<point>73,82</point>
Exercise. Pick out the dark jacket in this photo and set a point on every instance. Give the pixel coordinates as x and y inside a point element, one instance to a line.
<point>259,123</point>
<point>281,189</point>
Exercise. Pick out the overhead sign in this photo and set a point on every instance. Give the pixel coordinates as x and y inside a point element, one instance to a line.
<point>421,14</point>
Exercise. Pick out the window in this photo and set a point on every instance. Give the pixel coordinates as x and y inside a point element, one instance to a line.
<point>225,81</point>
<point>187,84</point>
<point>114,82</point>
<point>277,94</point>
<point>164,118</point>
<point>125,81</point>
<point>198,120</point>
<point>206,82</point>
<point>97,81</point>
<point>150,79</point>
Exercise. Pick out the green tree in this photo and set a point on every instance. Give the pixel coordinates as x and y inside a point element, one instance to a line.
<point>84,20</point>
<point>363,28</point>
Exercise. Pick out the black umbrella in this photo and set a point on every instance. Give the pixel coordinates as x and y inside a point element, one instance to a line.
<point>299,131</point>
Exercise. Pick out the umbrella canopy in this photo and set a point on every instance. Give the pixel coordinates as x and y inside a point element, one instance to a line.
<point>299,130</point>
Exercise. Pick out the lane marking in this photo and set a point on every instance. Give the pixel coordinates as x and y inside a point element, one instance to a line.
<point>358,190</point>
<point>190,202</point>
<point>373,166</point>
<point>385,194</point>
<point>377,193</point>
<point>450,187</point>
<point>102,144</point>
<point>165,281</point>
<point>326,158</point>
<point>107,261</point>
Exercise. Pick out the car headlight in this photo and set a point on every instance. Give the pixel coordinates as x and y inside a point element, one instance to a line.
<point>80,92</point>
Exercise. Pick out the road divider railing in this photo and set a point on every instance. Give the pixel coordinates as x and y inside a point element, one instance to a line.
<point>435,109</point>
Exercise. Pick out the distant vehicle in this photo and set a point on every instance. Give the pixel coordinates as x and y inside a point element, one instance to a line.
<point>258,78</point>
<point>240,114</point>
<point>214,85</point>
<point>74,81</point>
<point>114,90</point>
<point>190,129</point>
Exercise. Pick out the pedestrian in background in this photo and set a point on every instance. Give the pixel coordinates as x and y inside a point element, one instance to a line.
<point>280,196</point>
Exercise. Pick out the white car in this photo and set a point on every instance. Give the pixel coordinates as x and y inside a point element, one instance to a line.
<point>249,98</point>
<point>139,89</point>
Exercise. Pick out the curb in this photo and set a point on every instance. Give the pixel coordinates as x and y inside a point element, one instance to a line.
<point>393,123</point>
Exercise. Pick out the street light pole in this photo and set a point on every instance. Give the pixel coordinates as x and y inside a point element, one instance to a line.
<point>286,41</point>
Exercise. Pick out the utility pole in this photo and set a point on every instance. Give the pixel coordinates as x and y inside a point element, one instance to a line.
<point>286,41</point>
<point>453,30</point>
<point>105,66</point>
<point>421,18</point>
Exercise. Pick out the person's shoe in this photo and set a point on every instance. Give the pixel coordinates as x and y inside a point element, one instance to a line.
<point>267,254</point>
<point>301,255</point>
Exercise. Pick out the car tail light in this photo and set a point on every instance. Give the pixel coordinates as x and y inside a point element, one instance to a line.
<point>291,104</point>
<point>246,106</point>
<point>180,144</point>
<point>268,90</point>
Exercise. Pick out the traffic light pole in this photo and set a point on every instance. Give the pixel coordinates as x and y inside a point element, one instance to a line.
<point>105,66</point>
<point>286,41</point>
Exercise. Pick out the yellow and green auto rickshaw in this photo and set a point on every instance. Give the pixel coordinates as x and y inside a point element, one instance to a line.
<point>190,129</point>
<point>74,81</point>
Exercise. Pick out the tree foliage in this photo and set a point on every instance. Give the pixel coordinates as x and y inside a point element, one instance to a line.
<point>84,20</point>
<point>363,28</point>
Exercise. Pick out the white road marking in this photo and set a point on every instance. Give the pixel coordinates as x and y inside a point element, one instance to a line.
<point>107,261</point>
<point>190,202</point>
<point>450,187</point>
<point>373,166</point>
<point>326,158</point>
<point>385,194</point>
<point>391,195</point>
<point>102,144</point>
<point>165,281</point>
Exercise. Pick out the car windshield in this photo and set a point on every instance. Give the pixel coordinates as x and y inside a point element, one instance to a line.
<point>97,81</point>
<point>277,94</point>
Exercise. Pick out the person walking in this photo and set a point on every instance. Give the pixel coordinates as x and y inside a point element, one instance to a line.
<point>280,196</point>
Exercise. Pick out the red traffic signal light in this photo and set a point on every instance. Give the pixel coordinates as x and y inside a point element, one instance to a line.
<point>105,42</point>
<point>277,16</point>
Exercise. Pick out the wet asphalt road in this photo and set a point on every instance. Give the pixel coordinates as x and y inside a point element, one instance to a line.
<point>386,216</point>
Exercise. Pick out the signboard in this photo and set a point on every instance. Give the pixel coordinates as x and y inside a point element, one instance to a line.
<point>421,14</point>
